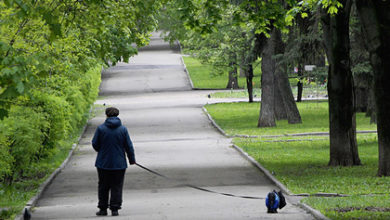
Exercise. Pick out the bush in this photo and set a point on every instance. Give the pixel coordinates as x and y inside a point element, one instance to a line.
<point>23,133</point>
<point>40,121</point>
<point>5,157</point>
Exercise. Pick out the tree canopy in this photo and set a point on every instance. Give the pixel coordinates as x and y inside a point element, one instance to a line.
<point>41,38</point>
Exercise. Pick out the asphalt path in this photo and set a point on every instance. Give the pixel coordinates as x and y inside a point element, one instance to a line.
<point>171,135</point>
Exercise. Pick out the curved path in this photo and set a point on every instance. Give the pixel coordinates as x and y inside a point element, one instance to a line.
<point>172,135</point>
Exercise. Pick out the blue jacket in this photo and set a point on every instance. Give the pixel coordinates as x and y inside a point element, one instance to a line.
<point>112,141</point>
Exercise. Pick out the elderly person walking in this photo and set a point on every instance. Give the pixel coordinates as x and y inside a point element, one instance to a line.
<point>112,142</point>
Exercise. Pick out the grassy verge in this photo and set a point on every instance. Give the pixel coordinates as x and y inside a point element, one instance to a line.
<point>203,76</point>
<point>241,118</point>
<point>300,163</point>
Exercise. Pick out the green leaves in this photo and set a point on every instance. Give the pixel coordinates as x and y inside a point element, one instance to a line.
<point>39,39</point>
<point>51,55</point>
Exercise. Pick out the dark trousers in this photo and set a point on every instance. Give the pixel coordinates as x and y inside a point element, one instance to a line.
<point>110,180</point>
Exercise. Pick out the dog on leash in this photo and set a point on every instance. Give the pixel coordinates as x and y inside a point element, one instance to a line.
<point>275,200</point>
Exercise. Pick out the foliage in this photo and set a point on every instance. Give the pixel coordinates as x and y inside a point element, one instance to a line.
<point>39,131</point>
<point>224,36</point>
<point>300,7</point>
<point>38,39</point>
<point>40,121</point>
<point>241,118</point>
<point>14,197</point>
<point>51,55</point>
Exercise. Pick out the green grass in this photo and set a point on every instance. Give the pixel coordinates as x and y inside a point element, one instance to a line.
<point>356,207</point>
<point>308,92</point>
<point>241,119</point>
<point>300,163</point>
<point>302,167</point>
<point>203,76</point>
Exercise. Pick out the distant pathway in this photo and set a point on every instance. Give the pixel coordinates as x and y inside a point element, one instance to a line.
<point>172,135</point>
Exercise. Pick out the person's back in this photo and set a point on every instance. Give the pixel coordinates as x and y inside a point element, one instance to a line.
<point>112,139</point>
<point>112,142</point>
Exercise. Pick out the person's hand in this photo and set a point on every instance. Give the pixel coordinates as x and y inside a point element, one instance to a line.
<point>132,163</point>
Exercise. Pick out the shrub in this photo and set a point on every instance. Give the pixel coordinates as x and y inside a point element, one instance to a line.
<point>23,132</point>
<point>40,121</point>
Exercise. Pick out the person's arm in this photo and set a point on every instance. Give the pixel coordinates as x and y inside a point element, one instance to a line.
<point>95,140</point>
<point>129,148</point>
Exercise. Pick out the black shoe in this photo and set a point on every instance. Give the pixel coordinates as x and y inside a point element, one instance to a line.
<point>102,212</point>
<point>114,212</point>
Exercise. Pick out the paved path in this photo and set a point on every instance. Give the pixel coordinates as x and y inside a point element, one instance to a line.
<point>171,134</point>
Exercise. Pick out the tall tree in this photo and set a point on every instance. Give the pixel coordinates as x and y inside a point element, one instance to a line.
<point>277,100</point>
<point>375,18</point>
<point>342,124</point>
<point>267,109</point>
<point>282,83</point>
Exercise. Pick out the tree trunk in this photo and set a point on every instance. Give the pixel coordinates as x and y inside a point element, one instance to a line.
<point>280,108</point>
<point>342,125</point>
<point>371,106</point>
<point>375,19</point>
<point>233,81</point>
<point>267,109</point>
<point>282,84</point>
<point>277,49</point>
<point>249,81</point>
<point>300,84</point>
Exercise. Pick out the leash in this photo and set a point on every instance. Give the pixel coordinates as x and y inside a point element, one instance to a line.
<point>197,187</point>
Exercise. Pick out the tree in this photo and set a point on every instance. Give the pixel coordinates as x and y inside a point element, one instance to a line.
<point>342,124</point>
<point>241,29</point>
<point>277,101</point>
<point>38,40</point>
<point>222,46</point>
<point>375,19</point>
<point>267,109</point>
<point>304,46</point>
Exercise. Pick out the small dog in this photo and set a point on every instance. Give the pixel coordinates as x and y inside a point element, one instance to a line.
<point>275,200</point>
<point>26,215</point>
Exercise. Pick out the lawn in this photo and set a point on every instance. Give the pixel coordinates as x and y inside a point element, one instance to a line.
<point>241,119</point>
<point>300,163</point>
<point>310,91</point>
<point>205,77</point>
<point>302,167</point>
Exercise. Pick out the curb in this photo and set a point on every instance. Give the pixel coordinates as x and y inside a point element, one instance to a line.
<point>249,158</point>
<point>264,170</point>
<point>214,123</point>
<point>186,71</point>
<point>33,201</point>
<point>317,214</point>
<point>221,130</point>
<point>184,65</point>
